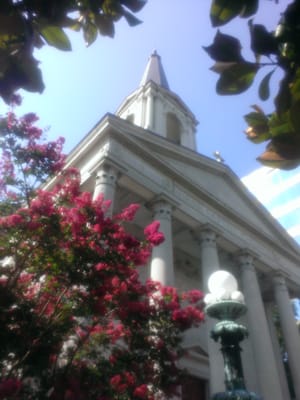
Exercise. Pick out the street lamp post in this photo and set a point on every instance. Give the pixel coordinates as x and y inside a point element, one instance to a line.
<point>226,303</point>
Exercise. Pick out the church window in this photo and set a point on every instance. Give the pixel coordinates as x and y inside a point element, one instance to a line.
<point>173,128</point>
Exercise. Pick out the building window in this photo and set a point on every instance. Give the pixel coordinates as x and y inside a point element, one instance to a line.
<point>193,388</point>
<point>173,128</point>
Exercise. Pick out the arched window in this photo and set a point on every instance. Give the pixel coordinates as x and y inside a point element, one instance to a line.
<point>173,128</point>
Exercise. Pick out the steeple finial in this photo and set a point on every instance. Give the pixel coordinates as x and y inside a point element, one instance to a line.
<point>154,72</point>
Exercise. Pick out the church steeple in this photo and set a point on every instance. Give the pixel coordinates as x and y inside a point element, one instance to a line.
<point>155,107</point>
<point>154,72</point>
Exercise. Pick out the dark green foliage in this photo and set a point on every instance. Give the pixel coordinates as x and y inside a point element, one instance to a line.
<point>273,50</point>
<point>29,24</point>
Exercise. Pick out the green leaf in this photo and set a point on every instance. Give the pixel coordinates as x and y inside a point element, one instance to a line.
<point>111,8</point>
<point>258,127</point>
<point>90,33</point>
<point>287,146</point>
<point>223,11</point>
<point>219,67</point>
<point>56,37</point>
<point>105,25</point>
<point>237,78</point>
<point>31,75</point>
<point>249,9</point>
<point>134,5</point>
<point>295,86</point>
<point>71,23</point>
<point>256,119</point>
<point>11,25</point>
<point>264,88</point>
<point>131,19</point>
<point>4,62</point>
<point>262,41</point>
<point>270,158</point>
<point>295,116</point>
<point>280,125</point>
<point>225,48</point>
<point>283,99</point>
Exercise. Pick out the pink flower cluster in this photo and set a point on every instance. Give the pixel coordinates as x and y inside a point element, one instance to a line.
<point>24,155</point>
<point>76,322</point>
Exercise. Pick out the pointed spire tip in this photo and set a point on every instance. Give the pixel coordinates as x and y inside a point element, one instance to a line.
<point>154,72</point>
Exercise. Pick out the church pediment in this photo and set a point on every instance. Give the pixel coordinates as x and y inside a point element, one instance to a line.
<point>200,177</point>
<point>202,187</point>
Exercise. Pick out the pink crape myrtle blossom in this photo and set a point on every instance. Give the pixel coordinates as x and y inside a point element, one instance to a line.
<point>152,233</point>
<point>76,322</point>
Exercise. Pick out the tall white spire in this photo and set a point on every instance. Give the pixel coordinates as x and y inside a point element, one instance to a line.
<point>154,72</point>
<point>155,107</point>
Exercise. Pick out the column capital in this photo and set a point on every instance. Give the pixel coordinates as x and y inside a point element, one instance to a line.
<point>107,174</point>
<point>279,281</point>
<point>162,210</point>
<point>208,235</point>
<point>162,206</point>
<point>245,258</point>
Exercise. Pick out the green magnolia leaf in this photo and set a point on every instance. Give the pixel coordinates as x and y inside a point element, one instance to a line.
<point>264,87</point>
<point>67,22</point>
<point>223,11</point>
<point>258,127</point>
<point>295,116</point>
<point>257,119</point>
<point>262,41</point>
<point>4,62</point>
<point>295,86</point>
<point>220,66</point>
<point>111,8</point>
<point>105,25</point>
<point>249,9</point>
<point>31,76</point>
<point>283,99</point>
<point>90,33</point>
<point>55,37</point>
<point>237,78</point>
<point>11,25</point>
<point>287,146</point>
<point>280,125</point>
<point>225,48</point>
<point>134,5</point>
<point>131,19</point>
<point>273,160</point>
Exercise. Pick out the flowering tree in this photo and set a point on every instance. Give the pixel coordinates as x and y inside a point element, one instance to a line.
<point>76,322</point>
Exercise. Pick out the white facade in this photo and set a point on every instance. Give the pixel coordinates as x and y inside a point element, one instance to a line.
<point>146,154</point>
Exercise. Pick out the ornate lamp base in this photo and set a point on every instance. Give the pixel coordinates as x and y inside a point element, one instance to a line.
<point>230,333</point>
<point>236,395</point>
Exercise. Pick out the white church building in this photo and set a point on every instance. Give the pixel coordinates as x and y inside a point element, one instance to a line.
<point>146,154</point>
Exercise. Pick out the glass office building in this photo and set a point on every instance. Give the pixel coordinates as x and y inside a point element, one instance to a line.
<point>279,192</point>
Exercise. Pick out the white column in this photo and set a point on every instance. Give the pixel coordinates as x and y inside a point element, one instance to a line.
<point>150,111</point>
<point>269,307</point>
<point>209,256</point>
<point>210,264</point>
<point>259,335</point>
<point>106,179</point>
<point>162,266</point>
<point>289,329</point>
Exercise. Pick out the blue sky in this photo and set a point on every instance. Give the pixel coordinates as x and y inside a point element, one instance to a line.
<point>82,85</point>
